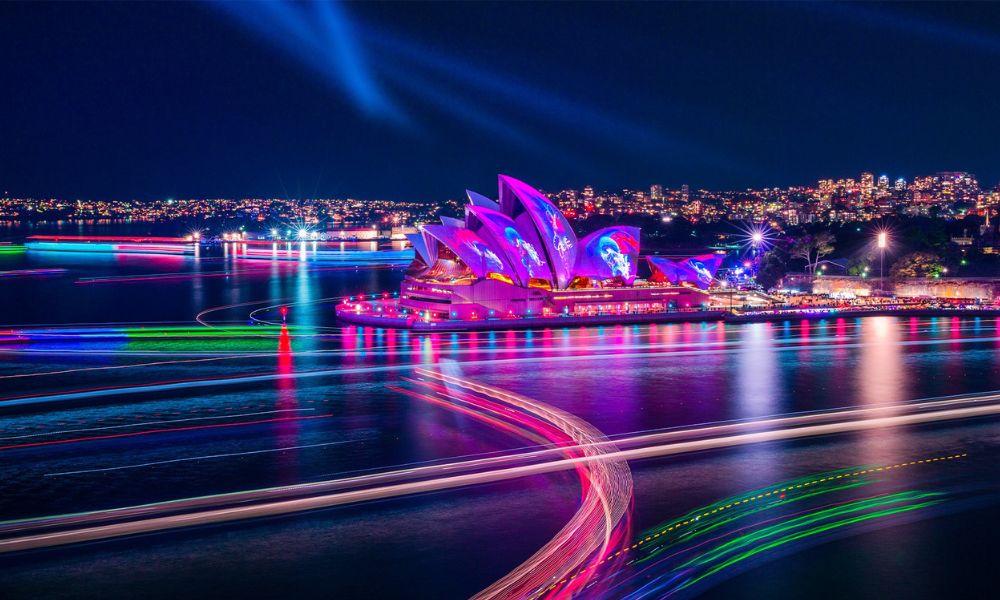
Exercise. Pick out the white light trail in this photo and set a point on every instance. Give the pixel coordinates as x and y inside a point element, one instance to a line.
<point>440,478</point>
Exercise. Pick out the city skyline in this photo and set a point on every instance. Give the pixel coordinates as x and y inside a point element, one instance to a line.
<point>893,182</point>
<point>947,194</point>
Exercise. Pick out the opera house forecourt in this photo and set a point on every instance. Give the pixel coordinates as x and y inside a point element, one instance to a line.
<point>517,262</point>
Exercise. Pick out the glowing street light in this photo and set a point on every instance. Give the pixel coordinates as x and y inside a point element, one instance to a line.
<point>756,239</point>
<point>882,241</point>
<point>757,236</point>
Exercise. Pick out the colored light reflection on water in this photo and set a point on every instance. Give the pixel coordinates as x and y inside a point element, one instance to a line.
<point>620,379</point>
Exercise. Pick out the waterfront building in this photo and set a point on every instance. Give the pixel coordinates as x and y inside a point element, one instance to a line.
<point>518,257</point>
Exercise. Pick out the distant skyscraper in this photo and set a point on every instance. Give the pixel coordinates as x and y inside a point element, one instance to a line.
<point>867,186</point>
<point>883,182</point>
<point>900,184</point>
<point>588,192</point>
<point>656,192</point>
<point>792,217</point>
<point>957,186</point>
<point>685,193</point>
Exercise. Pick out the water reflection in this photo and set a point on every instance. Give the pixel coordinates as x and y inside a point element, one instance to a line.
<point>288,431</point>
<point>759,389</point>
<point>881,372</point>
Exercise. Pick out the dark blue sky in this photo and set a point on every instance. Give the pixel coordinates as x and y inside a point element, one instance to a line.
<point>419,101</point>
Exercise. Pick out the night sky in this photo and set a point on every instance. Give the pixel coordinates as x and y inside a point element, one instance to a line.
<point>420,101</point>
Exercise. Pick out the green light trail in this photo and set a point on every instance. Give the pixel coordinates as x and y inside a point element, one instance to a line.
<point>756,537</point>
<point>707,525</point>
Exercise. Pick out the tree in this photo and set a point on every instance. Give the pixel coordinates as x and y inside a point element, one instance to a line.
<point>812,248</point>
<point>860,267</point>
<point>922,233</point>
<point>918,264</point>
<point>772,268</point>
<point>863,263</point>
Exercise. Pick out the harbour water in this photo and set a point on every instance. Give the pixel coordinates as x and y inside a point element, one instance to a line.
<point>94,418</point>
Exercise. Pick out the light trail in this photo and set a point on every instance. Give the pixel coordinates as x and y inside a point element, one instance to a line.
<point>30,273</point>
<point>134,239</point>
<point>115,436</point>
<point>284,267</point>
<point>92,324</point>
<point>699,522</point>
<point>169,276</point>
<point>535,360</point>
<point>638,330</point>
<point>127,333</point>
<point>165,422</point>
<point>158,363</point>
<point>743,547</point>
<point>200,317</point>
<point>598,516</point>
<point>440,477</point>
<point>454,345</point>
<point>269,329</point>
<point>195,458</point>
<point>607,491</point>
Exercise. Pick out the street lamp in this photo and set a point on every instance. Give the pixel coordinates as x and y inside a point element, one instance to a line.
<point>755,240</point>
<point>883,241</point>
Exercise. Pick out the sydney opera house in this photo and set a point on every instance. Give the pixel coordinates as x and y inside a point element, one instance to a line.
<point>518,258</point>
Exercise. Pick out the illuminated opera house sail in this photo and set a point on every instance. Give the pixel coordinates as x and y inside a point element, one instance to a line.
<point>518,257</point>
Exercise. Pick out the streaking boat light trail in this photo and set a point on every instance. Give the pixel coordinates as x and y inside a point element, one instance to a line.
<point>577,560</point>
<point>607,490</point>
<point>661,574</point>
<point>256,378</point>
<point>197,458</point>
<point>114,436</point>
<point>282,268</point>
<point>437,477</point>
<point>146,423</point>
<point>158,363</point>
